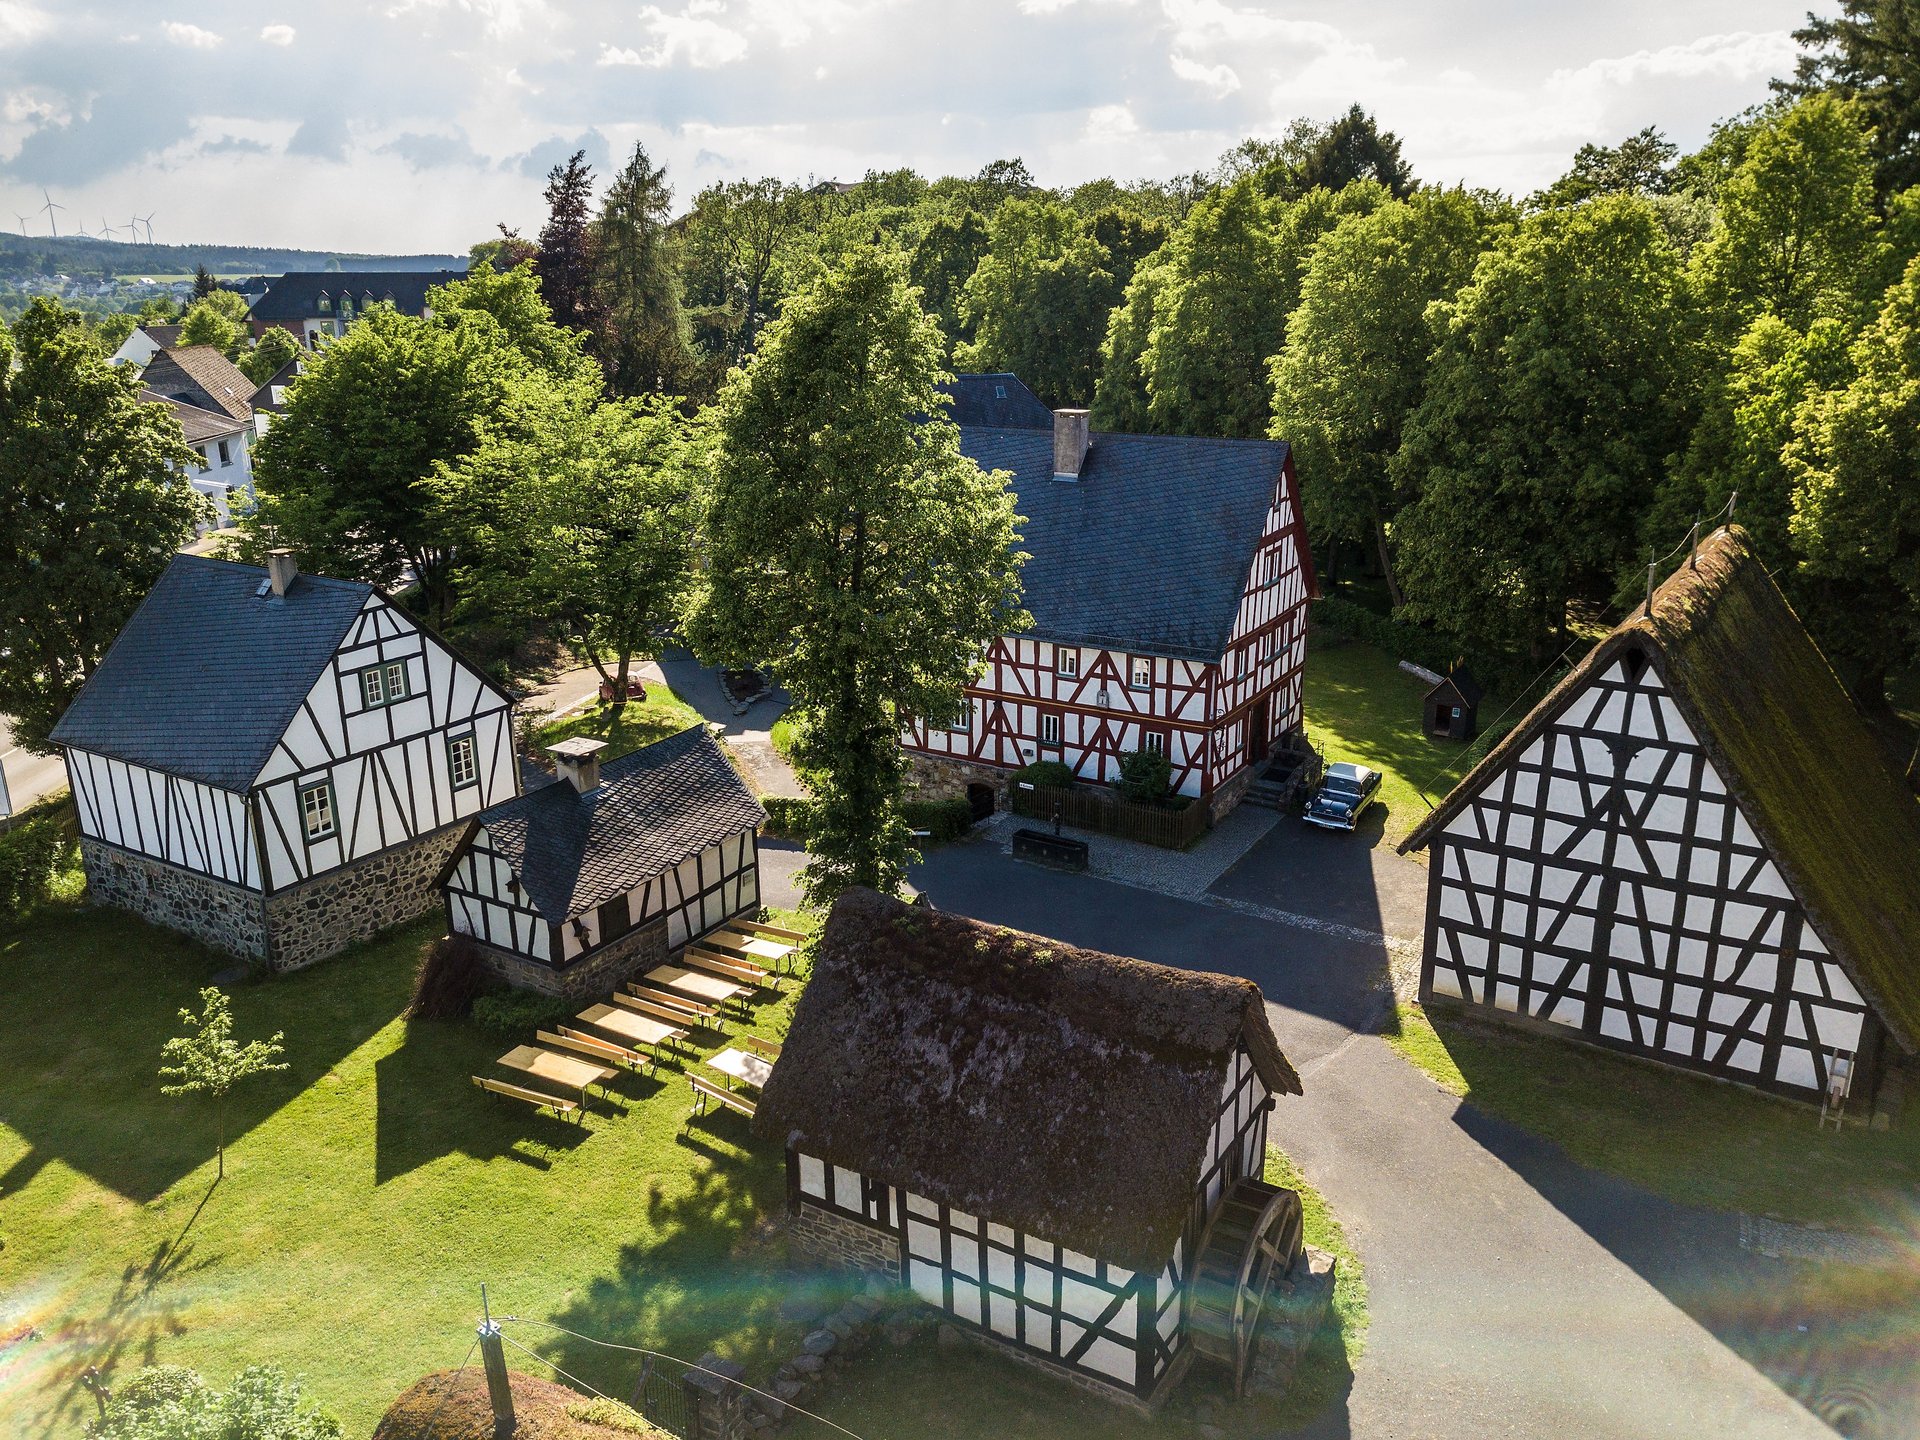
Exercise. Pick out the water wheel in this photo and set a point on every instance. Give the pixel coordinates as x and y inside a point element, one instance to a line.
<point>1253,1239</point>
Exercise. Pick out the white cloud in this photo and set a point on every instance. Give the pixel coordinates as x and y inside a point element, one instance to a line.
<point>20,22</point>
<point>1110,122</point>
<point>1744,55</point>
<point>1216,80</point>
<point>277,34</point>
<point>192,36</point>
<point>692,38</point>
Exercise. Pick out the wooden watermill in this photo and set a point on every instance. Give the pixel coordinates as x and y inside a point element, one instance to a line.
<point>1254,1239</point>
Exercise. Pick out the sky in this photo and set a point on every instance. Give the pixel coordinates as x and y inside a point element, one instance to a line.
<point>416,125</point>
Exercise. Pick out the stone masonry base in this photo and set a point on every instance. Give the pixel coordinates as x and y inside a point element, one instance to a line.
<point>940,777</point>
<point>228,917</point>
<point>591,977</point>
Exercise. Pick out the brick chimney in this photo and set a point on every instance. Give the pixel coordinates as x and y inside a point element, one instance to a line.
<point>578,761</point>
<point>281,571</point>
<point>1070,441</point>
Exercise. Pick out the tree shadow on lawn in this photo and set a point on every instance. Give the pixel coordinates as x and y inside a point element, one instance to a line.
<point>94,994</point>
<point>709,1276</point>
<point>1839,1340</point>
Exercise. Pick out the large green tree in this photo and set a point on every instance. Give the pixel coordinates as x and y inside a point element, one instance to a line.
<point>93,504</point>
<point>565,264</point>
<point>855,550</point>
<point>1038,302</point>
<point>584,518</point>
<point>1121,400</point>
<point>1641,164</point>
<point>1870,52</point>
<point>266,356</point>
<point>1355,362</point>
<point>943,260</point>
<point>735,238</point>
<point>1558,390</point>
<point>643,331</point>
<point>512,300</point>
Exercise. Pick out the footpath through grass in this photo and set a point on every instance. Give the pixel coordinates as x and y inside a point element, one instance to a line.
<point>369,1190</point>
<point>1692,1139</point>
<point>1362,707</point>
<point>926,1391</point>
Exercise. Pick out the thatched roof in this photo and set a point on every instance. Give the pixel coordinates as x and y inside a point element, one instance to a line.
<point>1062,1091</point>
<point>1787,741</point>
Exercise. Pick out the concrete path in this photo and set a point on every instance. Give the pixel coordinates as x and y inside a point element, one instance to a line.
<point>749,736</point>
<point>1513,1293</point>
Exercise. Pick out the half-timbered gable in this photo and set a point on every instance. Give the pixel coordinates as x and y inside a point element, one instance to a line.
<point>256,733</point>
<point>608,869</point>
<point>1032,1137</point>
<point>1692,849</point>
<point>1167,577</point>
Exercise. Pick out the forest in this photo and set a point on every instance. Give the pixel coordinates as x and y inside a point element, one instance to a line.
<point>1503,407</point>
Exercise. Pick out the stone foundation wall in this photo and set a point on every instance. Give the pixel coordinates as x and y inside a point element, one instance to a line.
<point>593,976</point>
<point>226,916</point>
<point>322,916</point>
<point>845,1244</point>
<point>941,777</point>
<point>1228,795</point>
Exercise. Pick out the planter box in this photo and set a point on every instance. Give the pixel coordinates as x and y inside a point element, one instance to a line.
<point>1057,852</point>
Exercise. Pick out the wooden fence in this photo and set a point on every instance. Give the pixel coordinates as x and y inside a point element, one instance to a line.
<point>1092,807</point>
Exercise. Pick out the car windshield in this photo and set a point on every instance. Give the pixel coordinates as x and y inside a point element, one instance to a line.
<point>1341,785</point>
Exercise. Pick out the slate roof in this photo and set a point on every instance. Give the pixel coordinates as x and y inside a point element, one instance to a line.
<point>262,398</point>
<point>1150,549</point>
<point>652,809</point>
<point>998,399</point>
<point>1064,1091</point>
<point>165,336</point>
<point>196,423</point>
<point>208,673</point>
<point>296,295</point>
<point>200,375</point>
<point>1461,685</point>
<point>1812,780</point>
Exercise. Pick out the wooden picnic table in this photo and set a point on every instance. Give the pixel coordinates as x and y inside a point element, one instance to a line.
<point>739,1065</point>
<point>630,1025</point>
<point>713,989</point>
<point>756,945</point>
<point>560,1069</point>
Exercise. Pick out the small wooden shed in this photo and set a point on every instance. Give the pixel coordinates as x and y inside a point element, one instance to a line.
<point>1452,708</point>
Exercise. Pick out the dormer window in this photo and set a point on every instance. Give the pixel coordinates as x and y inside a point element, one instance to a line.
<point>325,305</point>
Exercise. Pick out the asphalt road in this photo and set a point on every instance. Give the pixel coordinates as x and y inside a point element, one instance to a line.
<point>29,777</point>
<point>1512,1292</point>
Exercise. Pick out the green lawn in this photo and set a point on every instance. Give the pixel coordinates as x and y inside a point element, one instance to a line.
<point>636,723</point>
<point>1362,707</point>
<point>967,1392</point>
<point>369,1190</point>
<point>1684,1136</point>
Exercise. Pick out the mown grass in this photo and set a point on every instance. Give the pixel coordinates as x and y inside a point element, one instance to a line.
<point>370,1190</point>
<point>967,1392</point>
<point>1363,708</point>
<point>627,727</point>
<point>1684,1136</point>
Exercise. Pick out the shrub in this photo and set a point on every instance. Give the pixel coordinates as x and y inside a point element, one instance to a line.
<point>1145,776</point>
<point>37,844</point>
<point>792,817</point>
<point>509,1014</point>
<point>166,1402</point>
<point>449,980</point>
<point>1045,772</point>
<point>943,820</point>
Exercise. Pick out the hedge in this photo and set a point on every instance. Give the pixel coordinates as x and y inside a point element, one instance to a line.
<point>509,1014</point>
<point>37,843</point>
<point>791,817</point>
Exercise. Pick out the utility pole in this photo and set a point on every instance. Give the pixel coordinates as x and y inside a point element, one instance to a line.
<point>494,1355</point>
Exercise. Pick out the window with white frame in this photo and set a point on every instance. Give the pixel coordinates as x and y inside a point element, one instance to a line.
<point>383,684</point>
<point>1050,732</point>
<point>463,762</point>
<point>226,456</point>
<point>1066,663</point>
<point>1270,646</point>
<point>1139,672</point>
<point>1153,743</point>
<point>316,811</point>
<point>964,720</point>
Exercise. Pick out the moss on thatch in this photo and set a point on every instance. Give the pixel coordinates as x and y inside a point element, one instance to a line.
<point>450,1406</point>
<point>1784,736</point>
<point>1063,1091</point>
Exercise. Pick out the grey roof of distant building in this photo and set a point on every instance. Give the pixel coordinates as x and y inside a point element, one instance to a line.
<point>262,398</point>
<point>1150,549</point>
<point>999,399</point>
<point>200,375</point>
<point>296,295</point>
<point>652,809</point>
<point>165,336</point>
<point>196,423</point>
<point>207,675</point>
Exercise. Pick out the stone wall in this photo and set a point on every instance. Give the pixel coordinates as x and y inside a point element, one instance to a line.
<point>226,916</point>
<point>593,976</point>
<point>845,1244</point>
<point>324,915</point>
<point>942,777</point>
<point>1229,794</point>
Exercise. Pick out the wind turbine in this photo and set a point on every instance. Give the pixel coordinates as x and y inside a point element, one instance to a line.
<point>50,207</point>
<point>106,230</point>
<point>133,228</point>
<point>147,220</point>
<point>23,221</point>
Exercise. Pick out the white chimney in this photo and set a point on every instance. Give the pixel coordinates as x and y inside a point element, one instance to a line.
<point>1070,441</point>
<point>281,571</point>
<point>578,761</point>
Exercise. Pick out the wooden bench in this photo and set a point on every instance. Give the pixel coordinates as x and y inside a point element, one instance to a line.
<point>766,1049</point>
<point>538,1098</point>
<point>732,967</point>
<point>665,1005</point>
<point>705,1092</point>
<point>772,932</point>
<point>594,1048</point>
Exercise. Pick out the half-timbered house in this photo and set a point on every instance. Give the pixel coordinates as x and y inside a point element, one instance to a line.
<point>278,763</point>
<point>1692,850</point>
<point>1036,1139</point>
<point>1168,581</point>
<point>574,886</point>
